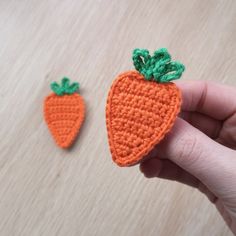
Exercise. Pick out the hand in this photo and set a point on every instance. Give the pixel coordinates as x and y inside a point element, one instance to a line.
<point>200,149</point>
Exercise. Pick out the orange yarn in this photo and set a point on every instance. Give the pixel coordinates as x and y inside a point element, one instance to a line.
<point>138,115</point>
<point>64,116</point>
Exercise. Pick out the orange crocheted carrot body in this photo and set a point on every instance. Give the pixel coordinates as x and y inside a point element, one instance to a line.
<point>64,113</point>
<point>139,113</point>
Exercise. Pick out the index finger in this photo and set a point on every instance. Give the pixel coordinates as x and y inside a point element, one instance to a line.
<point>212,99</point>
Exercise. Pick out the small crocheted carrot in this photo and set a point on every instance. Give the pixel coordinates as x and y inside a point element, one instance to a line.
<point>142,106</point>
<point>64,112</point>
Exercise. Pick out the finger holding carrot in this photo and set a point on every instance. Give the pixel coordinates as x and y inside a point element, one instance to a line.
<point>200,150</point>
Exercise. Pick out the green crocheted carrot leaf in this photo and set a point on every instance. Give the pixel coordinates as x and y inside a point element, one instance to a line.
<point>65,83</point>
<point>65,87</point>
<point>158,67</point>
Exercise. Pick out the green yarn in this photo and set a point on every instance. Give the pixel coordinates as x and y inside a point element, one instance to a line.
<point>65,87</point>
<point>158,67</point>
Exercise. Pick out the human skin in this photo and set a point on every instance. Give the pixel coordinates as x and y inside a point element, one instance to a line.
<point>200,150</point>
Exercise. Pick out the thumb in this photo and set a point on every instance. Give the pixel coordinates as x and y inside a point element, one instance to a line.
<point>189,148</point>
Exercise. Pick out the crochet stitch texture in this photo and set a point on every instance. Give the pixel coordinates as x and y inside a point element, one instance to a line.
<point>141,111</point>
<point>64,112</point>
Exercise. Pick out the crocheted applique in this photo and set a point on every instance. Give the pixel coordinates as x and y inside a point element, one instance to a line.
<point>64,112</point>
<point>142,106</point>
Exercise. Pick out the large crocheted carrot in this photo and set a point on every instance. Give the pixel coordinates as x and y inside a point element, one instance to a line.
<point>64,112</point>
<point>142,106</point>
